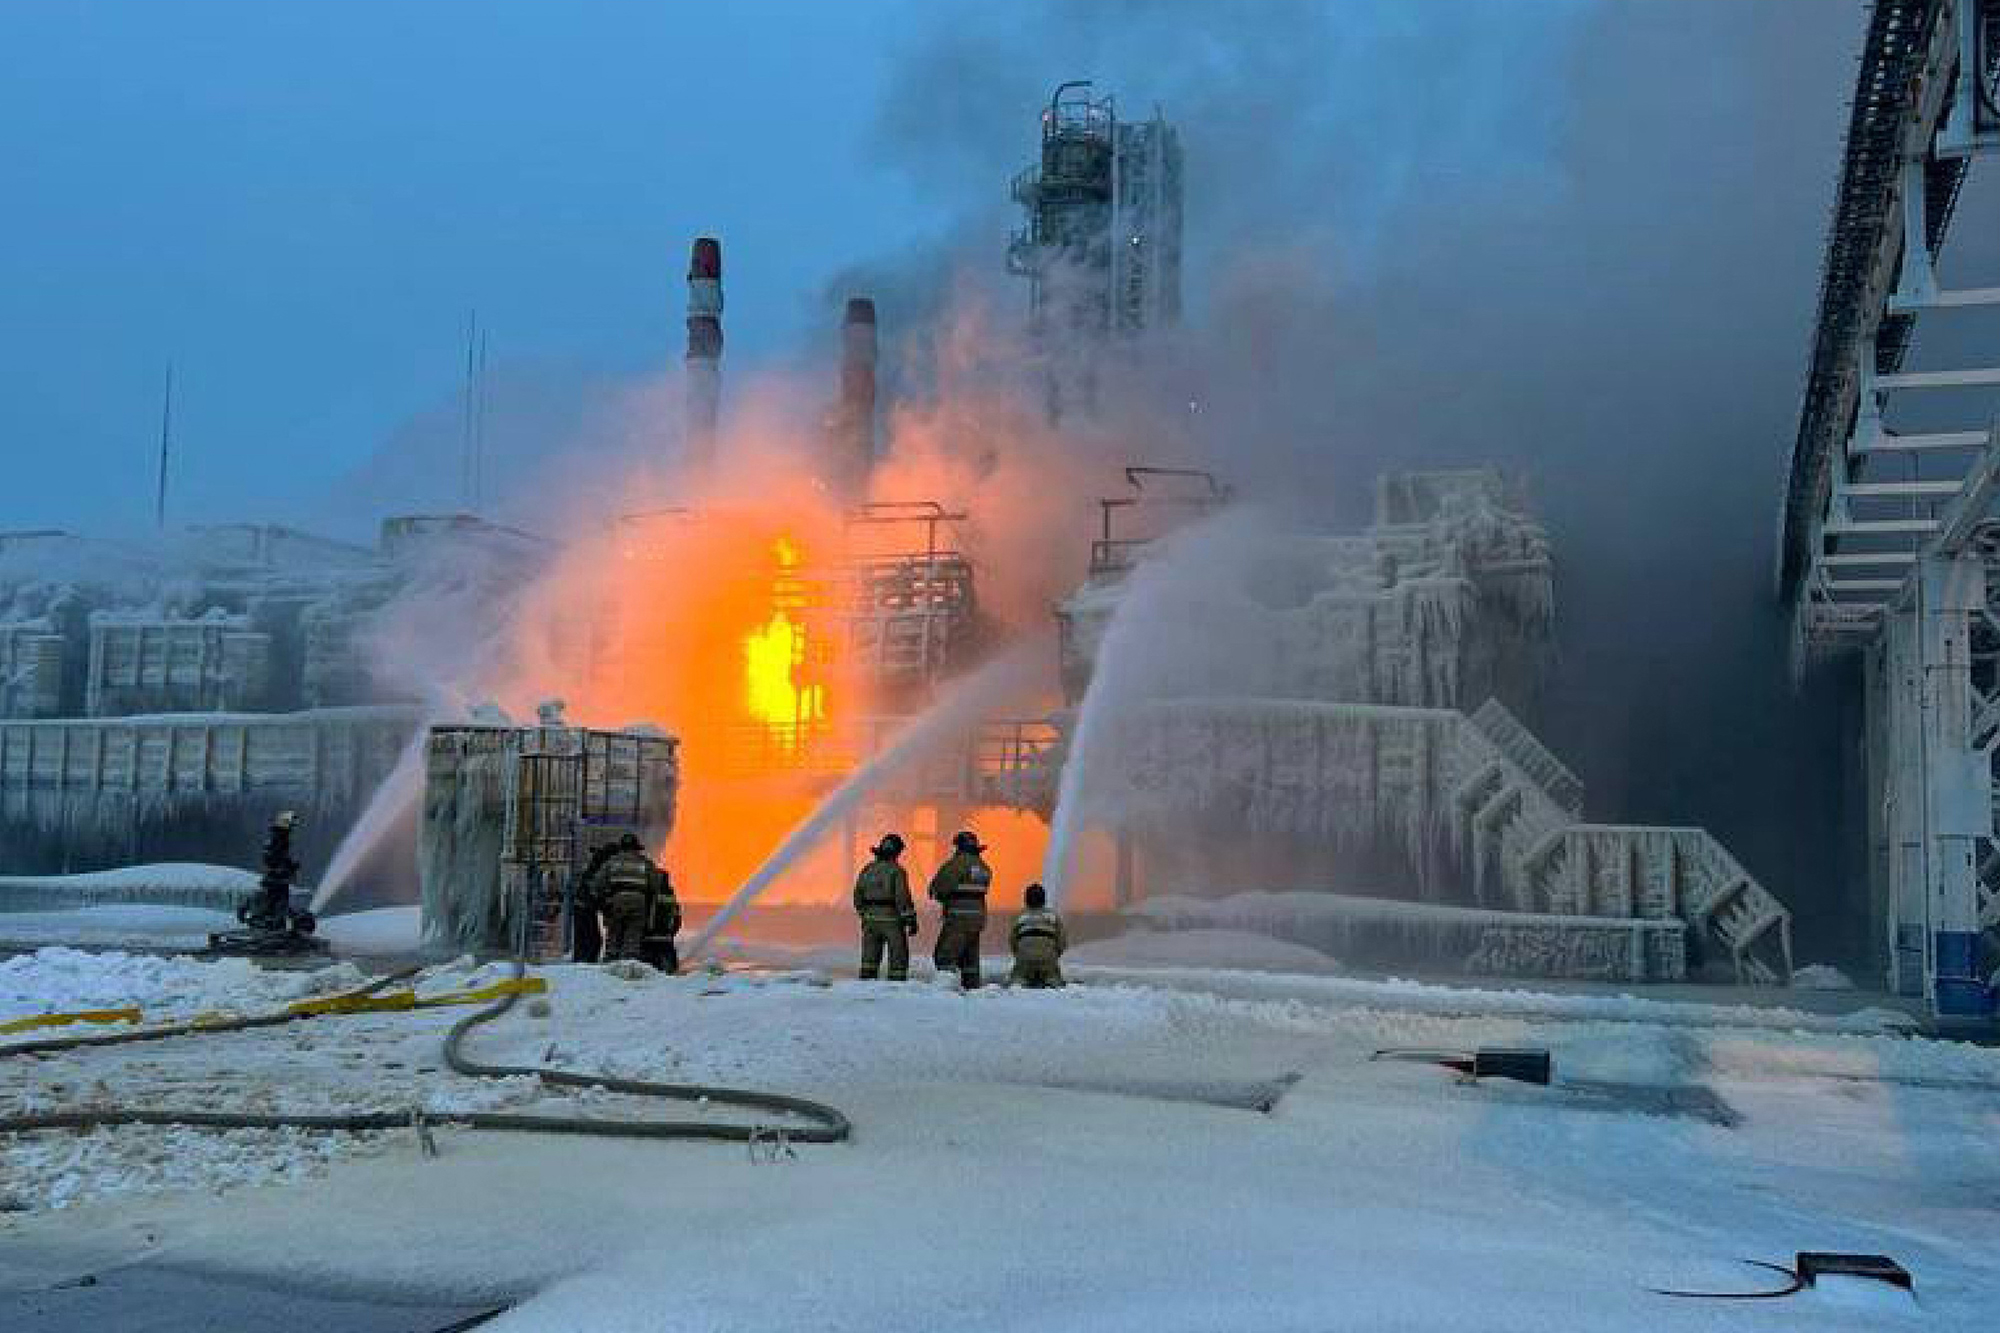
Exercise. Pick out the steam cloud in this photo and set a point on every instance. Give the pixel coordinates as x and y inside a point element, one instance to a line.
<point>1580,240</point>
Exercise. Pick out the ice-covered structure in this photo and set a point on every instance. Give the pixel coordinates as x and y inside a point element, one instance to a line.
<point>1318,730</point>
<point>1448,597</point>
<point>160,698</point>
<point>511,814</point>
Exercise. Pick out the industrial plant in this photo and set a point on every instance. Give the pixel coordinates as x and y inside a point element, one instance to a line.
<point>987,757</point>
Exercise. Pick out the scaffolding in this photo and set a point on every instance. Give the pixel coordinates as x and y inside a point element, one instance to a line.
<point>1101,247</point>
<point>907,606</point>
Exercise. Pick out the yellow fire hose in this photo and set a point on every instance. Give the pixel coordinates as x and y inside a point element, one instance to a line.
<point>804,1121</point>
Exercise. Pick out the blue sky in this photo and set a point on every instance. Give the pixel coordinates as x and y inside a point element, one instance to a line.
<point>298,203</point>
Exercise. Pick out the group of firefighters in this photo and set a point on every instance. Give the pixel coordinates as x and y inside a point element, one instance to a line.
<point>634,900</point>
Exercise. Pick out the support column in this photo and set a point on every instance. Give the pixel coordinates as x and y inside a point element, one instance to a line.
<point>1961,786</point>
<point>1902,802</point>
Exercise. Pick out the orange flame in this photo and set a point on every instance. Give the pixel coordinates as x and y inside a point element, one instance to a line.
<point>717,623</point>
<point>775,688</point>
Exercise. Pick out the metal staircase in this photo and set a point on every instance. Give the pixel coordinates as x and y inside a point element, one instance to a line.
<point>1509,812</point>
<point>1517,814</point>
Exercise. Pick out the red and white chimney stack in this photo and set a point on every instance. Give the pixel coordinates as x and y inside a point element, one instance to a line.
<point>854,434</point>
<point>704,352</point>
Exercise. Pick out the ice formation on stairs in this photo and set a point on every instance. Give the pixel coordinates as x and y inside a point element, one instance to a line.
<point>1434,782</point>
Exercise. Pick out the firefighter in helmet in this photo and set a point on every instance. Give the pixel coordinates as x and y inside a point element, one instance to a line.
<point>1037,941</point>
<point>659,946</point>
<point>959,887</point>
<point>888,915</point>
<point>628,888</point>
<point>271,908</point>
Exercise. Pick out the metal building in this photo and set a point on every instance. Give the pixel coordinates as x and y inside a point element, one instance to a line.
<point>1891,539</point>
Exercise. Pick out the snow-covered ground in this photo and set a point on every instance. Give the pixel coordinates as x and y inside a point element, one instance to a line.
<point>375,931</point>
<point>1201,948</point>
<point>172,883</point>
<point>1075,1159</point>
<point>130,925</point>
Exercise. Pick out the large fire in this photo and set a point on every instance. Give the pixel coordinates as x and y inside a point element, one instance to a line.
<point>722,624</point>
<point>775,659</point>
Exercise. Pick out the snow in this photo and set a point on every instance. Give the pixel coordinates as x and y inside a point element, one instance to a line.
<point>164,883</point>
<point>1201,948</point>
<point>377,930</point>
<point>374,932</point>
<point>128,924</point>
<point>58,980</point>
<point>1066,1159</point>
<point>174,875</point>
<point>1819,976</point>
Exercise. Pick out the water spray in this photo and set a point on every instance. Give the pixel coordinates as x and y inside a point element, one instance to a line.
<point>966,702</point>
<point>1114,678</point>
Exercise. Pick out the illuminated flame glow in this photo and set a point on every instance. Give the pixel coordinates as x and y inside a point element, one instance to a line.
<point>713,610</point>
<point>774,655</point>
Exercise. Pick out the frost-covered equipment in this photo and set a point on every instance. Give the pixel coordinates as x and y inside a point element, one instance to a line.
<point>1335,727</point>
<point>184,787</point>
<point>1447,599</point>
<point>1157,502</point>
<point>148,664</point>
<point>31,669</point>
<point>1102,244</point>
<point>511,815</point>
<point>1433,782</point>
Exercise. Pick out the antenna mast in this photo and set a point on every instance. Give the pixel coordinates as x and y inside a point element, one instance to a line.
<point>468,473</point>
<point>166,434</point>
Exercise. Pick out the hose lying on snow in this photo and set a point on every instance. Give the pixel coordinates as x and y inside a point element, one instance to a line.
<point>823,1124</point>
<point>50,1045</point>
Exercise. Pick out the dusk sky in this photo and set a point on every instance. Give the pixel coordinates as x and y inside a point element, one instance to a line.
<point>298,204</point>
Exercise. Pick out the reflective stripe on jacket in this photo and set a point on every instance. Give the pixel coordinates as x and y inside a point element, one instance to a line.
<point>961,884</point>
<point>1038,936</point>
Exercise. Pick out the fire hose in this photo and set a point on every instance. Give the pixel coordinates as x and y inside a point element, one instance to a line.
<point>821,1123</point>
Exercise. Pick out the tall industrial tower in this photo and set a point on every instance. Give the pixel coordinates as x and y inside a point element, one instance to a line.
<point>1102,245</point>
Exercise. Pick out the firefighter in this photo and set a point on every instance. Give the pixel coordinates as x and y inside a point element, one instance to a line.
<point>271,909</point>
<point>888,916</point>
<point>960,886</point>
<point>622,887</point>
<point>1038,940</point>
<point>663,923</point>
<point>586,931</point>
